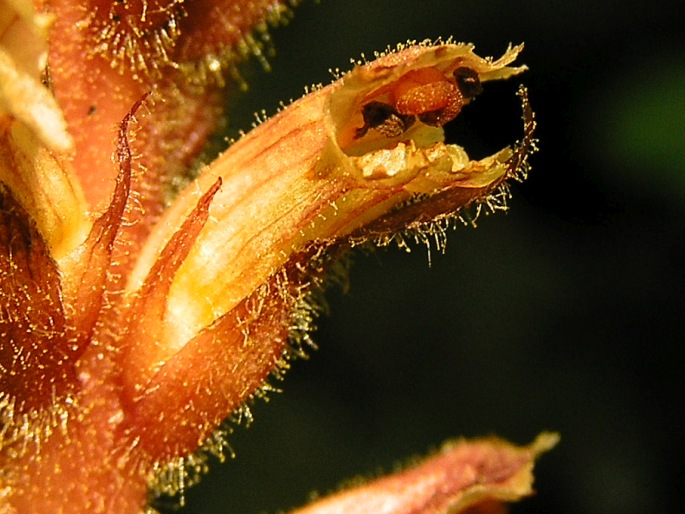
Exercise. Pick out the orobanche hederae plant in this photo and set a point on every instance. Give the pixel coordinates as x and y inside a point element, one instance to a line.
<point>142,304</point>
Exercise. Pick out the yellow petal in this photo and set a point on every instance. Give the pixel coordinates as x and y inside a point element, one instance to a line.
<point>307,176</point>
<point>44,186</point>
<point>23,51</point>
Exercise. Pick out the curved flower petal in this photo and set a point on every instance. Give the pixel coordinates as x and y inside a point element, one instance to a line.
<point>303,176</point>
<point>44,185</point>
<point>307,183</point>
<point>464,477</point>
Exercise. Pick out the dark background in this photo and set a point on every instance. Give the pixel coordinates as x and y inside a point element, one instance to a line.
<point>565,314</point>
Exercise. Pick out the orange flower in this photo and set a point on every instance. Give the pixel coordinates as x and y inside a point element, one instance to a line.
<point>130,329</point>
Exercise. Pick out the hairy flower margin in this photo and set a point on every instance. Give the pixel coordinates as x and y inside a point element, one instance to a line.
<point>129,328</point>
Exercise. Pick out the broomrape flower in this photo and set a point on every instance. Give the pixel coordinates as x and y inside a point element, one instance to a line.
<point>132,325</point>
